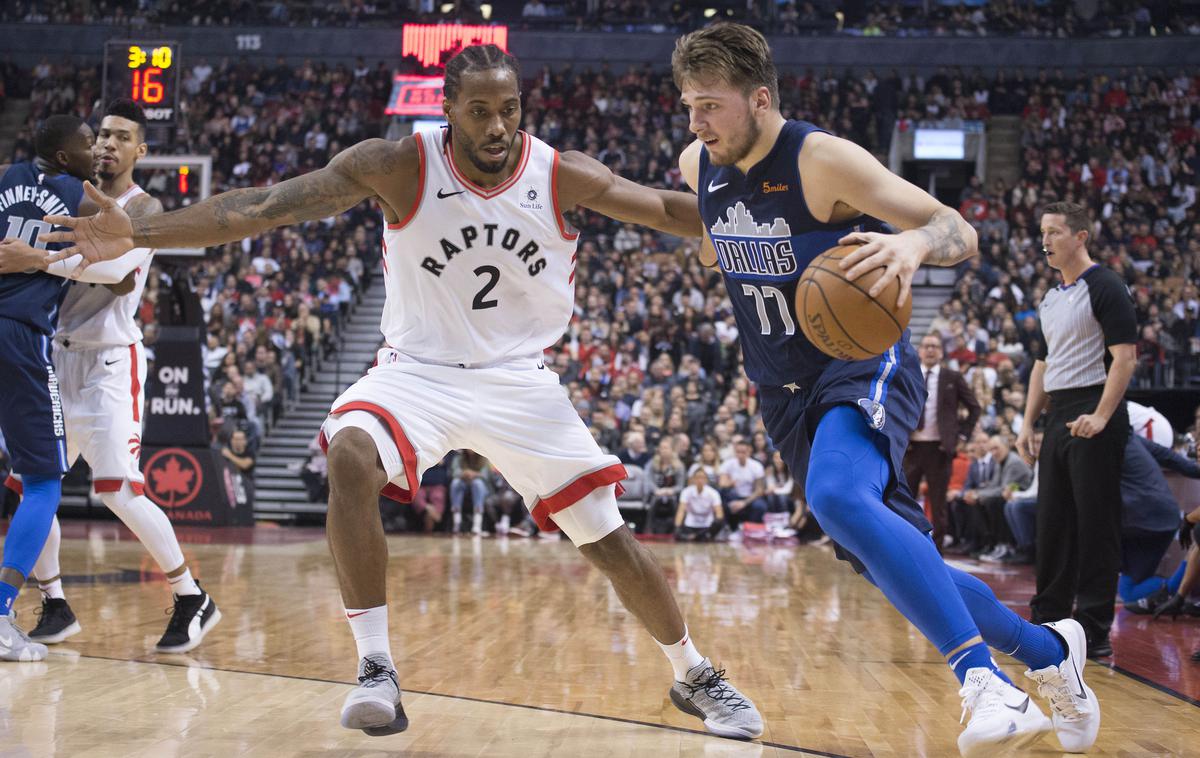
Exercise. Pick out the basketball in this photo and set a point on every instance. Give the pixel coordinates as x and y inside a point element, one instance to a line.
<point>839,317</point>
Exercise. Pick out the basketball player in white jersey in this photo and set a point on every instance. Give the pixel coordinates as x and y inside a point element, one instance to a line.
<point>101,367</point>
<point>480,280</point>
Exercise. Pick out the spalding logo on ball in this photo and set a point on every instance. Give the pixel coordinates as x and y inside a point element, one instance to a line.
<point>839,317</point>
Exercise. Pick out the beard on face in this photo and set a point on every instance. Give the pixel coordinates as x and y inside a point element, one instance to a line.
<point>476,155</point>
<point>734,152</point>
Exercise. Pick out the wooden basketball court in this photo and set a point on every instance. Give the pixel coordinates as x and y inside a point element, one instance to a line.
<point>517,648</point>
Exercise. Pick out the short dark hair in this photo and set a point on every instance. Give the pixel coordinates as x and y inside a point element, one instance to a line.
<point>123,107</point>
<point>53,134</point>
<point>734,53</point>
<point>1075,214</point>
<point>476,58</point>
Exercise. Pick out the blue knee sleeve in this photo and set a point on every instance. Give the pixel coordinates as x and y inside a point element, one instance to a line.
<point>847,477</point>
<point>31,524</point>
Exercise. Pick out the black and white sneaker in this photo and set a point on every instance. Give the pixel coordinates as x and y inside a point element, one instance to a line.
<point>56,622</point>
<point>191,618</point>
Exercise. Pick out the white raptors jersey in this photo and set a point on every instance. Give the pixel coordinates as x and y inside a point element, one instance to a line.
<point>475,275</point>
<point>92,316</point>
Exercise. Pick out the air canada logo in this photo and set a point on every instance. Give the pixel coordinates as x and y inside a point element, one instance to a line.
<point>530,202</point>
<point>173,477</point>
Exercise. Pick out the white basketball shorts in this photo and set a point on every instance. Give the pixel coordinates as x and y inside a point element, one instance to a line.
<point>515,414</point>
<point>103,403</point>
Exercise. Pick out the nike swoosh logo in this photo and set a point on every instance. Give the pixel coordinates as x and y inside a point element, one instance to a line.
<point>6,642</point>
<point>443,194</point>
<point>1022,708</point>
<point>353,615</point>
<point>109,363</point>
<point>714,187</point>
<point>954,663</point>
<point>1082,692</point>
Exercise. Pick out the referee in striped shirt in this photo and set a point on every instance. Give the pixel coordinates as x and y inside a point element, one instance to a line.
<point>1089,329</point>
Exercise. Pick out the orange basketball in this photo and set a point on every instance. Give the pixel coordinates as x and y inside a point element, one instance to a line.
<point>839,317</point>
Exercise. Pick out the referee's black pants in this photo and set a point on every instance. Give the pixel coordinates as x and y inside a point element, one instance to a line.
<point>1079,516</point>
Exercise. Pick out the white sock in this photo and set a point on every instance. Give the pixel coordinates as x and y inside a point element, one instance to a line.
<point>52,589</point>
<point>152,527</point>
<point>184,584</point>
<point>47,567</point>
<point>370,628</point>
<point>683,656</point>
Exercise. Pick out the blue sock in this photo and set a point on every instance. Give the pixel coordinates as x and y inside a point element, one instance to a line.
<point>27,533</point>
<point>1131,591</point>
<point>8,594</point>
<point>1176,578</point>
<point>1035,646</point>
<point>847,475</point>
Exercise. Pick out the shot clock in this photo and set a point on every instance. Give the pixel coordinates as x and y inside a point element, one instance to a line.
<point>146,72</point>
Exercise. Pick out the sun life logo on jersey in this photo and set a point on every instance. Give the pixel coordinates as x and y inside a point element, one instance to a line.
<point>530,202</point>
<point>747,247</point>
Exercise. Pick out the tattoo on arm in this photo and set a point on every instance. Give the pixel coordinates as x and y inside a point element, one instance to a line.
<point>242,213</point>
<point>947,244</point>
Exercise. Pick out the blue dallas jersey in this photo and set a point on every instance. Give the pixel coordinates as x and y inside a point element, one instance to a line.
<point>764,237</point>
<point>26,195</point>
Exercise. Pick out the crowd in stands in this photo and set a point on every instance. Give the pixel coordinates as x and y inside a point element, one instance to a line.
<point>650,358</point>
<point>911,18</point>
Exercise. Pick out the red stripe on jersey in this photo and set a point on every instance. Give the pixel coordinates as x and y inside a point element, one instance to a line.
<point>420,185</point>
<point>562,223</point>
<point>135,384</point>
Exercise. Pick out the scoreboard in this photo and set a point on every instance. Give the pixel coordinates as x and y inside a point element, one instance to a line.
<point>146,72</point>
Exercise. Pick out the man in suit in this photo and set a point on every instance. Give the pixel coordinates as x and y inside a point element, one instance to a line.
<point>933,443</point>
<point>962,526</point>
<point>1009,473</point>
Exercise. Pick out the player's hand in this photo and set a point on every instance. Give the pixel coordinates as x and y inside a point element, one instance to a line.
<point>17,257</point>
<point>897,254</point>
<point>1172,606</point>
<point>1027,447</point>
<point>103,237</point>
<point>1087,426</point>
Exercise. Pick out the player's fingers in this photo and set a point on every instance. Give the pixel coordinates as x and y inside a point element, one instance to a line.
<point>62,255</point>
<point>905,288</point>
<point>867,249</point>
<point>856,238</point>
<point>68,221</point>
<point>104,201</point>
<point>882,282</point>
<point>869,262</point>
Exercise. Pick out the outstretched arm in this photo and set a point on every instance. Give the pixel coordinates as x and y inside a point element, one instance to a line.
<point>353,175</point>
<point>117,272</point>
<point>583,180</point>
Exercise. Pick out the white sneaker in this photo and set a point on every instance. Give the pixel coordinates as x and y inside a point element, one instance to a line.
<point>477,524</point>
<point>1075,711</point>
<point>374,705</point>
<point>504,525</point>
<point>15,645</point>
<point>1003,718</point>
<point>456,523</point>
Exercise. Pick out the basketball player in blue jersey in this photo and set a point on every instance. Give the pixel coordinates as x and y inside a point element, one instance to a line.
<point>773,195</point>
<point>31,414</point>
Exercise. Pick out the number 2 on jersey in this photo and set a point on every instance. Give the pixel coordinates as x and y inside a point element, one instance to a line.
<point>493,275</point>
<point>28,230</point>
<point>761,295</point>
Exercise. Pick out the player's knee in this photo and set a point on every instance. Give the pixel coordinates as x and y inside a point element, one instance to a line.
<point>354,466</point>
<point>616,552</point>
<point>833,489</point>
